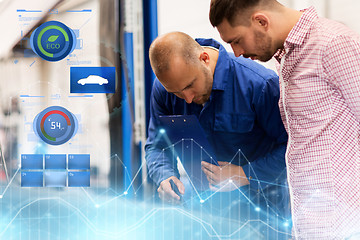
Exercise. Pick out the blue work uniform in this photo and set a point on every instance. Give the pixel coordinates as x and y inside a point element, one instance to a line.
<point>241,113</point>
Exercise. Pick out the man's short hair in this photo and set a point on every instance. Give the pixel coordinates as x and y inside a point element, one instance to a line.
<point>177,44</point>
<point>232,9</point>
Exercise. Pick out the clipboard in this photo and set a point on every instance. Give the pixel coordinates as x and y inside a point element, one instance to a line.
<point>190,145</point>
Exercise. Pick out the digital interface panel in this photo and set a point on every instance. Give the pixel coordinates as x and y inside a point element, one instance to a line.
<point>55,170</point>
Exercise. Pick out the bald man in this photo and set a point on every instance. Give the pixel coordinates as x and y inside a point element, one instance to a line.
<point>319,64</point>
<point>235,100</point>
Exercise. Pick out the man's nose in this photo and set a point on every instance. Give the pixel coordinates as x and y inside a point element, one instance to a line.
<point>188,96</point>
<point>238,51</point>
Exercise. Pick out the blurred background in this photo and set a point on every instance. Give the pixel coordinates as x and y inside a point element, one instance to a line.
<point>112,127</point>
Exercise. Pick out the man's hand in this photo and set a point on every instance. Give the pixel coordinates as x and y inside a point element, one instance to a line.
<point>224,178</point>
<point>166,193</point>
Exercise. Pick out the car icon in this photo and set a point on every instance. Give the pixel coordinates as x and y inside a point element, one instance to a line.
<point>93,79</point>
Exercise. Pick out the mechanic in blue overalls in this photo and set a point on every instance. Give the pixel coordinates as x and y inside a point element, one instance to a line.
<point>236,102</point>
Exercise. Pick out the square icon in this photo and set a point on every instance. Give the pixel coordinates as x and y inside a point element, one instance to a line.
<point>55,161</point>
<point>32,161</point>
<point>31,179</point>
<point>79,179</point>
<point>79,161</point>
<point>55,179</point>
<point>92,79</point>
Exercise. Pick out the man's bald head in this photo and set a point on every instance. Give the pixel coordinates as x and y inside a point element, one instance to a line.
<point>172,46</point>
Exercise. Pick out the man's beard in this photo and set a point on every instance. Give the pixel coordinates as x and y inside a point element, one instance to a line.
<point>264,46</point>
<point>205,97</point>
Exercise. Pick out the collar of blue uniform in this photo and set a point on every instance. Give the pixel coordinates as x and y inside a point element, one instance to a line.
<point>222,66</point>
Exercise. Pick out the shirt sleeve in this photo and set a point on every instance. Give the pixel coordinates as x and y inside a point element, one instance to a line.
<point>271,168</point>
<point>159,164</point>
<point>341,63</point>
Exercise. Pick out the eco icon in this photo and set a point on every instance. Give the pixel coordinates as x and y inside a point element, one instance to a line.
<point>53,41</point>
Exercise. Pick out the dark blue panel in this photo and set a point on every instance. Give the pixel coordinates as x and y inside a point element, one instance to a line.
<point>31,161</point>
<point>79,179</point>
<point>79,161</point>
<point>55,161</point>
<point>55,179</point>
<point>128,107</point>
<point>92,79</point>
<point>150,33</point>
<point>31,179</point>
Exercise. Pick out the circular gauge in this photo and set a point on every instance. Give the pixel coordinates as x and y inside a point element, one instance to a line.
<point>55,125</point>
<point>53,41</point>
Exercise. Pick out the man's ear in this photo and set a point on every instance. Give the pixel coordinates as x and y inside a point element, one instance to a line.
<point>204,57</point>
<point>261,20</point>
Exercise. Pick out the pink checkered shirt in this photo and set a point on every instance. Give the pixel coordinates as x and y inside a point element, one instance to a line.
<point>320,108</point>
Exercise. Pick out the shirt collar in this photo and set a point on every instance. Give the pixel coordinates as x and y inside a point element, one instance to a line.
<point>298,33</point>
<point>221,73</point>
<point>279,54</point>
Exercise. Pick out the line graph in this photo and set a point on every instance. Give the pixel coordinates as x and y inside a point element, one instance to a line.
<point>81,209</point>
<point>139,223</point>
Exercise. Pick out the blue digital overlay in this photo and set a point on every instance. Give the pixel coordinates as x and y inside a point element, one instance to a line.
<point>92,79</point>
<point>57,170</point>
<point>53,41</point>
<point>55,161</point>
<point>55,125</point>
<point>32,161</point>
<point>55,179</point>
<point>79,179</point>
<point>31,179</point>
<point>79,161</point>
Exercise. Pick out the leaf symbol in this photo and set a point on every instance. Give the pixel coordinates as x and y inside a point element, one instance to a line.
<point>53,38</point>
